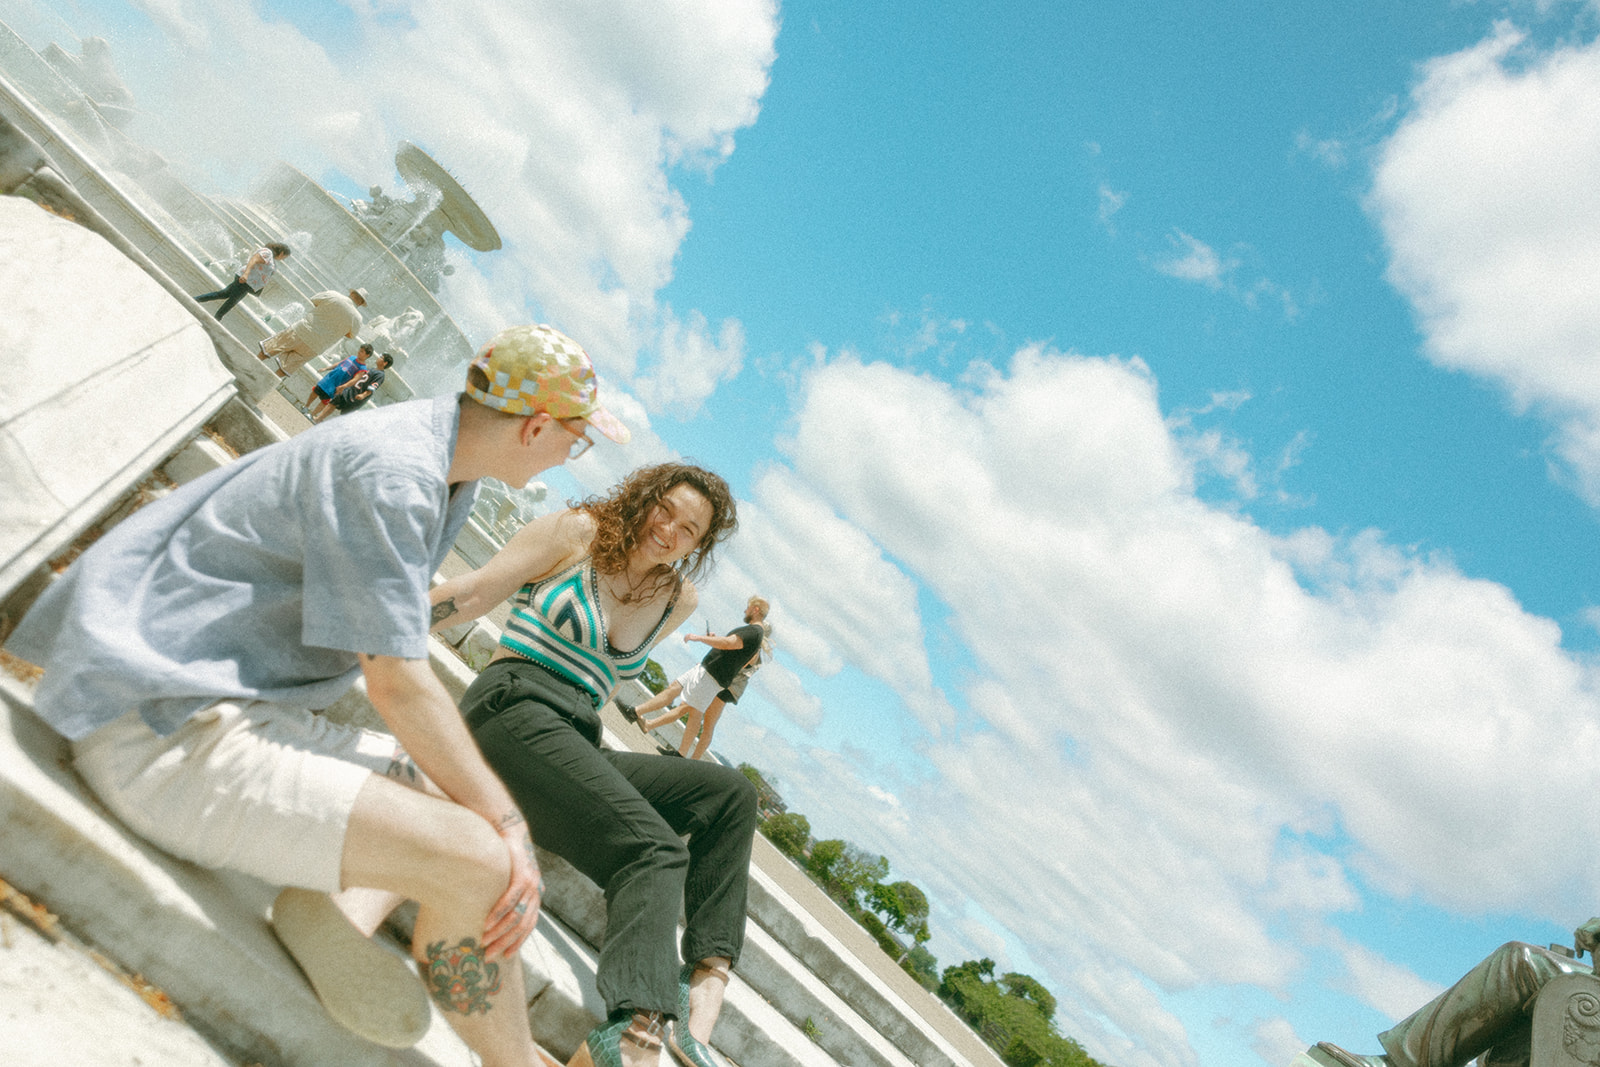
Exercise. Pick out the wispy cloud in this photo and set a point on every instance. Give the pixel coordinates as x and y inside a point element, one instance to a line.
<point>1111,202</point>
<point>1192,260</point>
<point>1331,152</point>
<point>1394,991</point>
<point>1195,261</point>
<point>689,362</point>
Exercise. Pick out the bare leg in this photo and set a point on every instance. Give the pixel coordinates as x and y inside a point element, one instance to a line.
<point>706,987</point>
<point>699,1005</point>
<point>367,908</point>
<point>657,702</point>
<point>455,866</point>
<point>668,716</point>
<point>713,713</point>
<point>691,729</point>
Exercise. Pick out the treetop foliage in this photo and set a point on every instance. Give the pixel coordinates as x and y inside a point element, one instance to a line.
<point>1014,1013</point>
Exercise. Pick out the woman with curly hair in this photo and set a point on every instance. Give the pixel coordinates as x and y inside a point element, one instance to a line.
<point>596,587</point>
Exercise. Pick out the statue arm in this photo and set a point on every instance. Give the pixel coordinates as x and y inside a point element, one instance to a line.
<point>1586,937</point>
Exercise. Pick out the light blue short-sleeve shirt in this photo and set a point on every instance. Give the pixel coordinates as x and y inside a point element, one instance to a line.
<point>261,580</point>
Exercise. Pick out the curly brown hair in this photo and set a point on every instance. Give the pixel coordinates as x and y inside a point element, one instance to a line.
<point>621,514</point>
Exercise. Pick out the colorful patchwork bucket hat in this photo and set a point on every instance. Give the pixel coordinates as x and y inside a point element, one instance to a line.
<point>538,368</point>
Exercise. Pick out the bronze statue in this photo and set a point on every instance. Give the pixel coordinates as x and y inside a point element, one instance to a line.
<point>1489,1012</point>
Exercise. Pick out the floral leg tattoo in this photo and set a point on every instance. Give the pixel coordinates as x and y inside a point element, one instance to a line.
<point>459,978</point>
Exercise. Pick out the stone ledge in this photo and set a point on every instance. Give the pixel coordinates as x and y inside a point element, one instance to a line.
<point>819,952</point>
<point>200,936</point>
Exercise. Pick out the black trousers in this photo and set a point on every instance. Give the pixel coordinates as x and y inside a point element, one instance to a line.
<point>229,294</point>
<point>618,817</point>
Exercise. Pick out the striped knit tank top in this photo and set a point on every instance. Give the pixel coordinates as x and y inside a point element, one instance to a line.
<point>557,623</point>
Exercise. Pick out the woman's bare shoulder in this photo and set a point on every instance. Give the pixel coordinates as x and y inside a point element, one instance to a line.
<point>576,528</point>
<point>548,544</point>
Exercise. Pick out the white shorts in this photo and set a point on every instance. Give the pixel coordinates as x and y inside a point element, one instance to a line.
<point>252,786</point>
<point>699,688</point>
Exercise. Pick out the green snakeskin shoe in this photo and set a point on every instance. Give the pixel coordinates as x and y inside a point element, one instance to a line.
<point>680,1042</point>
<point>603,1046</point>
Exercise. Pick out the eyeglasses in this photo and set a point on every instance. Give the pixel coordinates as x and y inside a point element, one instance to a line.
<point>582,443</point>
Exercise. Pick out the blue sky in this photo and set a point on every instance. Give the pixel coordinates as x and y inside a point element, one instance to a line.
<point>1168,433</point>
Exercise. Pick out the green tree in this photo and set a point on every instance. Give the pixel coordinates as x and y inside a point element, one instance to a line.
<point>790,832</point>
<point>854,876</point>
<point>903,906</point>
<point>1012,1014</point>
<point>846,872</point>
<point>1028,989</point>
<point>653,677</point>
<point>768,802</point>
<point>825,856</point>
<point>964,983</point>
<point>921,965</point>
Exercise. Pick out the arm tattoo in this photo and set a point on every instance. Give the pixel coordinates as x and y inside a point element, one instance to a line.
<point>459,978</point>
<point>443,610</point>
<point>508,820</point>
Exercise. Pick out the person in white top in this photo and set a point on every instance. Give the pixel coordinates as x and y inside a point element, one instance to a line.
<point>252,278</point>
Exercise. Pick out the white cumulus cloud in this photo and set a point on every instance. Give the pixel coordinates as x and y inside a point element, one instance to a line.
<point>1486,198</point>
<point>1176,720</point>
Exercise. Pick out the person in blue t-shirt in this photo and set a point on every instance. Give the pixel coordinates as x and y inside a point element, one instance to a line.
<point>358,390</point>
<point>327,386</point>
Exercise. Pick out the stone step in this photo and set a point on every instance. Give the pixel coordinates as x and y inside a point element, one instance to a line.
<point>200,936</point>
<point>60,1004</point>
<point>836,973</point>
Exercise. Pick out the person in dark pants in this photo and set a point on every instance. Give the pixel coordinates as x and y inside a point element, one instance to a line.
<point>252,279</point>
<point>596,587</point>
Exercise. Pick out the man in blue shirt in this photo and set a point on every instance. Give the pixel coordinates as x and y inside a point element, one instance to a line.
<point>183,649</point>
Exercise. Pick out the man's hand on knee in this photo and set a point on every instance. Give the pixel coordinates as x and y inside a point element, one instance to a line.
<point>515,914</point>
